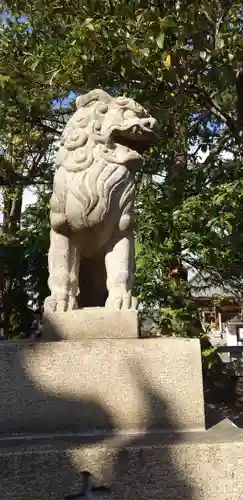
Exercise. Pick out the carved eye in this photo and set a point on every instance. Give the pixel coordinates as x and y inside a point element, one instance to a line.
<point>97,126</point>
<point>74,137</point>
<point>103,108</point>
<point>139,109</point>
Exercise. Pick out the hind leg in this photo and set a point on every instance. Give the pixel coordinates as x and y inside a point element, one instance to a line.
<point>63,260</point>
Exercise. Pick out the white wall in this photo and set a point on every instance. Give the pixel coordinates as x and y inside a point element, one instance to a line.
<point>231,336</point>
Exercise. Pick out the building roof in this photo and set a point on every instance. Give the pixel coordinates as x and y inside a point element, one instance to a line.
<point>236,320</point>
<point>203,285</point>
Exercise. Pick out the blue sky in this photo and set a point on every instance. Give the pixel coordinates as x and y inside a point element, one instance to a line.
<point>57,103</point>
<point>5,14</point>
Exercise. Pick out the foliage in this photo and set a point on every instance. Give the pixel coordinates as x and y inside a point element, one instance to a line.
<point>24,266</point>
<point>183,60</point>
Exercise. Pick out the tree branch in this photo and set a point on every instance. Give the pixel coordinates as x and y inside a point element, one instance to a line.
<point>239,93</point>
<point>209,19</point>
<point>226,10</point>
<point>216,150</point>
<point>23,182</point>
<point>47,128</point>
<point>204,98</point>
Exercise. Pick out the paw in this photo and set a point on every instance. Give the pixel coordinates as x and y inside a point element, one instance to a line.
<point>120,298</point>
<point>60,303</point>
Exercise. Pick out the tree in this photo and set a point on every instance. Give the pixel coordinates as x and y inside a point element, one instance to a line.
<point>183,60</point>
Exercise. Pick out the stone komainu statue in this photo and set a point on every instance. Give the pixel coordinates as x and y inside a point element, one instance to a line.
<point>91,256</point>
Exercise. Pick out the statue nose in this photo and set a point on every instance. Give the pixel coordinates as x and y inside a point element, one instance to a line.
<point>147,123</point>
<point>150,123</point>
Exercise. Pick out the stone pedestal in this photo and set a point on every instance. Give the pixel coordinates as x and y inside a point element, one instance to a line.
<point>187,466</point>
<point>127,410</point>
<point>93,322</point>
<point>104,385</point>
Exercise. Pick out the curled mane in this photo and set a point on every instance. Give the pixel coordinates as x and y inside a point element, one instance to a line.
<point>92,179</point>
<point>83,199</point>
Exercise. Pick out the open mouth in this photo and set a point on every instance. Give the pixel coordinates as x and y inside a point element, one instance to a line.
<point>138,136</point>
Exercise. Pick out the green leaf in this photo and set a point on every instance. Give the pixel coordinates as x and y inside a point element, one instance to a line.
<point>88,23</point>
<point>145,51</point>
<point>4,79</point>
<point>35,64</point>
<point>205,56</point>
<point>219,42</point>
<point>229,226</point>
<point>54,76</point>
<point>160,40</point>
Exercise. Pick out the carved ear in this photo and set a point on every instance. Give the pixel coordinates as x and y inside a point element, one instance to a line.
<point>93,95</point>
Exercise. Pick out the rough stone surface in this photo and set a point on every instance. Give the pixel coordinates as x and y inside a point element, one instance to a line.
<point>91,385</point>
<point>196,466</point>
<point>92,243</point>
<point>95,322</point>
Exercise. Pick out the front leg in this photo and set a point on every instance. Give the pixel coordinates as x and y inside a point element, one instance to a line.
<point>64,261</point>
<point>120,265</point>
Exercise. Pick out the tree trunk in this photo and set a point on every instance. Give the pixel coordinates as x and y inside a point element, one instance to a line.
<point>177,178</point>
<point>12,206</point>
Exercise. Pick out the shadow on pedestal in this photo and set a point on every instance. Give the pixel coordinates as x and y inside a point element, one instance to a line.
<point>41,466</point>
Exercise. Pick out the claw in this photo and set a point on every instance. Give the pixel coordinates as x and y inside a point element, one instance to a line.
<point>122,299</point>
<point>113,303</point>
<point>55,303</point>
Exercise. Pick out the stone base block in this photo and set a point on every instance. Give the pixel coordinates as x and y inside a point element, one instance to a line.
<point>94,385</point>
<point>95,322</point>
<point>194,466</point>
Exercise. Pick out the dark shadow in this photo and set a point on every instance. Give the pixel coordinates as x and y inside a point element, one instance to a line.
<point>92,276</point>
<point>220,390</point>
<point>141,465</point>
<point>144,466</point>
<point>236,408</point>
<point>25,427</point>
<point>225,401</point>
<point>48,412</point>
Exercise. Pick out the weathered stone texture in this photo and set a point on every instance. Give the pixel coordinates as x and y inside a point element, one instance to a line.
<point>93,323</point>
<point>91,256</point>
<point>130,384</point>
<point>198,466</point>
